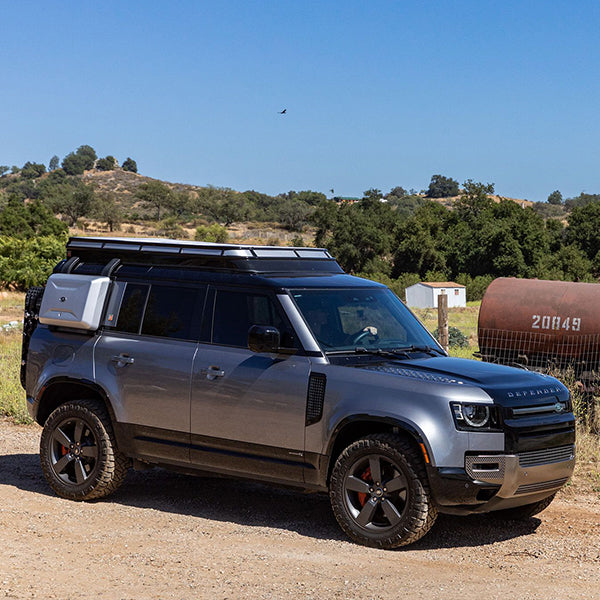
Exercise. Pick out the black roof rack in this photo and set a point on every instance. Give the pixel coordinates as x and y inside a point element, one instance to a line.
<point>246,258</point>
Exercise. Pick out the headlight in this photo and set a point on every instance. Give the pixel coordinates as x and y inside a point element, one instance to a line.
<point>475,417</point>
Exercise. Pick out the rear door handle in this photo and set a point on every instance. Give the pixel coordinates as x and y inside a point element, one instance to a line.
<point>123,359</point>
<point>214,372</point>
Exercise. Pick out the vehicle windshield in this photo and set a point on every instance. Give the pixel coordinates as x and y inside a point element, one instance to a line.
<point>369,318</point>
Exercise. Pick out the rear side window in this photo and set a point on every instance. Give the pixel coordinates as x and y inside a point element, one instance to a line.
<point>171,312</point>
<point>132,308</point>
<point>161,310</point>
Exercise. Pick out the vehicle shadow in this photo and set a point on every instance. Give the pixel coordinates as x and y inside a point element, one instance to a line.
<point>258,505</point>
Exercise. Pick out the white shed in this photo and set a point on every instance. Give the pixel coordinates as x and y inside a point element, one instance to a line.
<point>425,294</point>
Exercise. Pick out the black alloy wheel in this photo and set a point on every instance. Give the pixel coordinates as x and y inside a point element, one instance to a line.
<point>73,451</point>
<point>78,451</point>
<point>379,492</point>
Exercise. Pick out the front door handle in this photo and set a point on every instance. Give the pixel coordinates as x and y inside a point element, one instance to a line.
<point>123,359</point>
<point>214,372</point>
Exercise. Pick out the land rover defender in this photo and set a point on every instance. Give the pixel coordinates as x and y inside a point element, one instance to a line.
<point>271,363</point>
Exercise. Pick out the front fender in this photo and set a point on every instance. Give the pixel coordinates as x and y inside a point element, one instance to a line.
<point>419,407</point>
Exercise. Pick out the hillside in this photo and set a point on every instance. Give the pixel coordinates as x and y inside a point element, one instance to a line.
<point>449,232</point>
<point>122,185</point>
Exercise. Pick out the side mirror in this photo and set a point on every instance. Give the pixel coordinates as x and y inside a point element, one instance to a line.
<point>263,338</point>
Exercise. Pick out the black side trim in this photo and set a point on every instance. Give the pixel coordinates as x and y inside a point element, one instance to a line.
<point>223,451</point>
<point>245,455</point>
<point>155,440</point>
<point>315,398</point>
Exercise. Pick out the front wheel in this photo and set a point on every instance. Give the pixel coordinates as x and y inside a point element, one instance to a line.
<point>379,492</point>
<point>78,453</point>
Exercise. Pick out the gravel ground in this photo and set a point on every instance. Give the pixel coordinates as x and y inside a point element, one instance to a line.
<point>164,535</point>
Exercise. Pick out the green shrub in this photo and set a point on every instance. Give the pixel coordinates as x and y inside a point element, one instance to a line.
<point>398,285</point>
<point>476,286</point>
<point>456,338</point>
<point>170,228</point>
<point>27,262</point>
<point>215,233</point>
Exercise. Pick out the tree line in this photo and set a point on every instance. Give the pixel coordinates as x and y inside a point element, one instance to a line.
<point>399,238</point>
<point>473,243</point>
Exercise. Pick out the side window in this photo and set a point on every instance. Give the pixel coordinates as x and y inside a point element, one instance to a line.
<point>160,310</point>
<point>172,312</point>
<point>236,312</point>
<point>132,308</point>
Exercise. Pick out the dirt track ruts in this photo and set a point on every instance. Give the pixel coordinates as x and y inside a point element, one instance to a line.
<point>164,535</point>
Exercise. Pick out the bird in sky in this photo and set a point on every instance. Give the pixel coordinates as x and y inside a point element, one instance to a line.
<point>282,112</point>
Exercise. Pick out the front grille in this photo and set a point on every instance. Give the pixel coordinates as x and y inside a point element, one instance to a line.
<point>541,486</point>
<point>546,456</point>
<point>548,406</point>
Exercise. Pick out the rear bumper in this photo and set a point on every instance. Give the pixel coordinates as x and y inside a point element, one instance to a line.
<point>496,481</point>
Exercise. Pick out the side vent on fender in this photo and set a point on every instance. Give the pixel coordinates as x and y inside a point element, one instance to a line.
<point>315,398</point>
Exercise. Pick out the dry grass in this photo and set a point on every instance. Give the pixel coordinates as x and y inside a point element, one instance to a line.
<point>262,234</point>
<point>12,395</point>
<point>586,479</point>
<point>11,306</point>
<point>464,319</point>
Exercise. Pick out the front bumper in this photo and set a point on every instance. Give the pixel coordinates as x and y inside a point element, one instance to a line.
<point>496,481</point>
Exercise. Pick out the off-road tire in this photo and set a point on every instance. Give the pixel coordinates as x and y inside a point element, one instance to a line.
<point>520,513</point>
<point>370,512</point>
<point>33,300</point>
<point>78,452</point>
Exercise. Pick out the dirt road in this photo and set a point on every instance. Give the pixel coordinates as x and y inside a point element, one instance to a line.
<point>165,535</point>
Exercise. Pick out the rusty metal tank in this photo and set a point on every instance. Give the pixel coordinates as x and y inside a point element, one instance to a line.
<point>536,322</point>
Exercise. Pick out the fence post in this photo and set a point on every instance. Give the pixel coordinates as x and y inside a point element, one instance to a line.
<point>443,320</point>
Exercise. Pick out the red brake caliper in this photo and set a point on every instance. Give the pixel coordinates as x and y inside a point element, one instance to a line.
<point>366,476</point>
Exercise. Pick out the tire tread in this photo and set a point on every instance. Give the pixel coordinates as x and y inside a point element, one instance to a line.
<point>114,464</point>
<point>423,512</point>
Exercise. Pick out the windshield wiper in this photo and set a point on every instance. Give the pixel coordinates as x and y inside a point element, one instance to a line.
<point>413,348</point>
<point>390,352</point>
<point>363,350</point>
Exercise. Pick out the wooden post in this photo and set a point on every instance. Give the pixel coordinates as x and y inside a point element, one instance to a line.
<point>443,320</point>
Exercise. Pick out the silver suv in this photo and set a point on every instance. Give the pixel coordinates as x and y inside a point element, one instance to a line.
<point>273,364</point>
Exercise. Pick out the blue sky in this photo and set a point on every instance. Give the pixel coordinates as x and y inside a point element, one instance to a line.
<point>378,94</point>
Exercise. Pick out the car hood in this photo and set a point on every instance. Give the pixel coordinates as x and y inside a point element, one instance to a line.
<point>507,385</point>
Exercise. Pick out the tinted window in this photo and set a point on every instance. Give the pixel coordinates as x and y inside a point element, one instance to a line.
<point>236,312</point>
<point>171,312</point>
<point>373,318</point>
<point>132,308</point>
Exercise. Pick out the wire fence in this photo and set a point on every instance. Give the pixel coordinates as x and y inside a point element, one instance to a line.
<point>574,359</point>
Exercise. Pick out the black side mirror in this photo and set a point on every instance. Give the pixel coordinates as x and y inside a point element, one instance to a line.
<point>263,338</point>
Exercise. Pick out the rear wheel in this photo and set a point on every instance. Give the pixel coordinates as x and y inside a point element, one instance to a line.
<point>379,492</point>
<point>78,452</point>
<point>519,513</point>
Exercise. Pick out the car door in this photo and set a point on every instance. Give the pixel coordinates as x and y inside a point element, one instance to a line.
<point>144,359</point>
<point>248,410</point>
